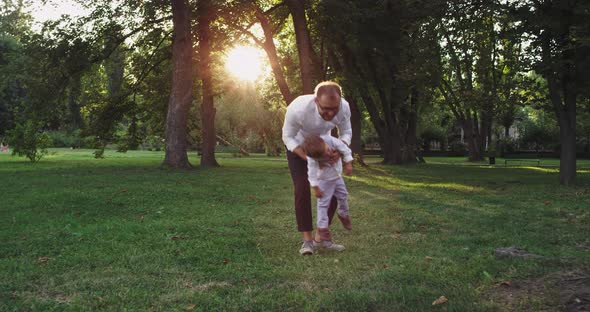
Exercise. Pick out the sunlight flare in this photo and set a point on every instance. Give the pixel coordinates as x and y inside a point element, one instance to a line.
<point>244,63</point>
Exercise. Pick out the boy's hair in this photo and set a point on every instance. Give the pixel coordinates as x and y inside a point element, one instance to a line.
<point>314,147</point>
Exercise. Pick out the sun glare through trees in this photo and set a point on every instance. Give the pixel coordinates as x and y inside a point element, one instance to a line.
<point>244,63</point>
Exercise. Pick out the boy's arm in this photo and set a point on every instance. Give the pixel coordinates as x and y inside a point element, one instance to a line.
<point>346,155</point>
<point>313,168</point>
<point>343,149</point>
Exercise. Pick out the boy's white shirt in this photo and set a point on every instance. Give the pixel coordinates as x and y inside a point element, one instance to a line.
<point>330,171</point>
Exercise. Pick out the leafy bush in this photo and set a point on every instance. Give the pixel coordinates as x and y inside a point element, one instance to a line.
<point>27,140</point>
<point>458,148</point>
<point>506,145</point>
<point>62,138</point>
<point>154,143</point>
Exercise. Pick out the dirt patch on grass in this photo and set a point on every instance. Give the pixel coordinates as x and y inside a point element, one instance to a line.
<point>564,291</point>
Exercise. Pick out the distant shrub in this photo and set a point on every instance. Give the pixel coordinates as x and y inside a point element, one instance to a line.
<point>154,143</point>
<point>458,148</point>
<point>27,140</point>
<point>61,138</point>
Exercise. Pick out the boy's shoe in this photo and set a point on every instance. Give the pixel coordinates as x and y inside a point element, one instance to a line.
<point>345,222</point>
<point>306,249</point>
<point>328,245</point>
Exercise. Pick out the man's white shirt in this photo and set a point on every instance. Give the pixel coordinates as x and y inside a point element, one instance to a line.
<point>303,119</point>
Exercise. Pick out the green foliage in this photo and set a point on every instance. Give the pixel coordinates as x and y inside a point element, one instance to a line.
<point>64,138</point>
<point>539,130</point>
<point>154,143</point>
<point>26,139</point>
<point>458,148</point>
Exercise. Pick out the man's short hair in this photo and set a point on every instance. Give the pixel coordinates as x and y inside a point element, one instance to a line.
<point>314,147</point>
<point>329,88</point>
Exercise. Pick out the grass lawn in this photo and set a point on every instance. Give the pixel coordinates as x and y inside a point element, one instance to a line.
<point>121,234</point>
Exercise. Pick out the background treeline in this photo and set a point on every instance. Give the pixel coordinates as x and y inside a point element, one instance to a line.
<point>415,72</point>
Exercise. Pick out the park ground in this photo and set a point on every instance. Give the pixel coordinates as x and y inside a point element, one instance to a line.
<point>120,233</point>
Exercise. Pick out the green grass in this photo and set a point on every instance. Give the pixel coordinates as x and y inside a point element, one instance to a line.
<point>122,234</point>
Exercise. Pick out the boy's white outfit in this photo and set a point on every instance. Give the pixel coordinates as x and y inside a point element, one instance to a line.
<point>328,176</point>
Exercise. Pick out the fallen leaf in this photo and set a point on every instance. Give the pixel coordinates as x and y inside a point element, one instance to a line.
<point>245,281</point>
<point>225,260</point>
<point>42,259</point>
<point>428,258</point>
<point>547,202</point>
<point>506,283</point>
<point>178,237</point>
<point>440,300</point>
<point>190,307</point>
<point>123,190</point>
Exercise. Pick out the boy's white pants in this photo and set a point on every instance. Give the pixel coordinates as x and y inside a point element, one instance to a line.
<point>337,188</point>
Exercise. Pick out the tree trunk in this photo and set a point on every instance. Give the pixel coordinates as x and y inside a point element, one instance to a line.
<point>273,58</point>
<point>208,138</point>
<point>181,93</point>
<point>411,139</point>
<point>304,47</point>
<point>74,102</point>
<point>355,113</point>
<point>472,143</point>
<point>355,121</point>
<point>567,163</point>
<point>564,105</point>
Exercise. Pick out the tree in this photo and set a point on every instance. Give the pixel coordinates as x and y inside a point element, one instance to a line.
<point>181,93</point>
<point>205,18</point>
<point>560,30</point>
<point>375,42</point>
<point>308,67</point>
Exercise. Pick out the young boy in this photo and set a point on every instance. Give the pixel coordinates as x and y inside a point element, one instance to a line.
<point>326,180</point>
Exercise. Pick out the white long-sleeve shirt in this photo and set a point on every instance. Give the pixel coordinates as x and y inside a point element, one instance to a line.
<point>327,171</point>
<point>303,118</point>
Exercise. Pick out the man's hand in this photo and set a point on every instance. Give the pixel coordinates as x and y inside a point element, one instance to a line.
<point>348,168</point>
<point>299,152</point>
<point>317,192</point>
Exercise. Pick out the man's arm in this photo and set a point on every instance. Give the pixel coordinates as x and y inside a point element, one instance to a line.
<point>290,129</point>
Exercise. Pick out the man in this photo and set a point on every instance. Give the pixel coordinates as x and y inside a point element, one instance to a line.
<point>313,114</point>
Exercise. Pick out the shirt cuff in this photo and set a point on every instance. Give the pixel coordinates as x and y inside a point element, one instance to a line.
<point>291,145</point>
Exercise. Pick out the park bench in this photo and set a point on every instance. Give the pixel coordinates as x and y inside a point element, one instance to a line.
<point>514,158</point>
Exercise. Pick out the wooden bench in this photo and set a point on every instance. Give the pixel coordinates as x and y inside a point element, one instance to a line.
<point>522,158</point>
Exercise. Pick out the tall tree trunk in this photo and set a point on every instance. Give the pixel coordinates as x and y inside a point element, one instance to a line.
<point>356,124</point>
<point>181,93</point>
<point>273,58</point>
<point>207,106</point>
<point>472,142</point>
<point>564,105</point>
<point>304,46</point>
<point>566,116</point>
<point>411,139</point>
<point>74,102</point>
<point>355,113</point>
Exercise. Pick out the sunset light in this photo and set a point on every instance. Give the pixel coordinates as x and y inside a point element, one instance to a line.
<point>244,63</point>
